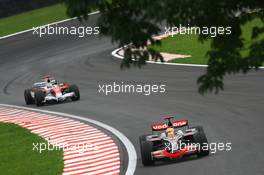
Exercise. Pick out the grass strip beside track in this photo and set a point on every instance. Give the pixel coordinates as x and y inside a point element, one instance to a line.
<point>32,19</point>
<point>17,155</point>
<point>189,45</point>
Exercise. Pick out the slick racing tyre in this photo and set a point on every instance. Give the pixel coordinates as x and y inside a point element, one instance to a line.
<point>39,98</point>
<point>28,98</point>
<point>200,138</point>
<point>146,148</point>
<point>142,138</point>
<point>75,89</point>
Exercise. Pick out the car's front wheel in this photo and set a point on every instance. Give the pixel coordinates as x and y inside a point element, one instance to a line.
<point>39,98</point>
<point>142,138</point>
<point>200,138</point>
<point>28,98</point>
<point>146,148</point>
<point>75,90</point>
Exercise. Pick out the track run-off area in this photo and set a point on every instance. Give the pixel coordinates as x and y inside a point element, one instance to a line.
<point>86,148</point>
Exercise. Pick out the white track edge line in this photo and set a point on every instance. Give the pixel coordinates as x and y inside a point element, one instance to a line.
<point>53,23</point>
<point>115,54</point>
<point>132,155</point>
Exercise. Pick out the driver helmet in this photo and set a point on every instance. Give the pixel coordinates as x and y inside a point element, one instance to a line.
<point>49,84</point>
<point>170,132</point>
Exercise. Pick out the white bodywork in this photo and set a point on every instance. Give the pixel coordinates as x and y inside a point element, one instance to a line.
<point>50,97</point>
<point>59,96</point>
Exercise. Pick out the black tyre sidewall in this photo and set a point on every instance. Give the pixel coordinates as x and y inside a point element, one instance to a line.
<point>200,138</point>
<point>74,88</point>
<point>146,147</point>
<point>39,98</point>
<point>28,98</point>
<point>142,138</point>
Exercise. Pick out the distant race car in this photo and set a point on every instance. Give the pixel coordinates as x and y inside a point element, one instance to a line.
<point>174,143</point>
<point>49,90</point>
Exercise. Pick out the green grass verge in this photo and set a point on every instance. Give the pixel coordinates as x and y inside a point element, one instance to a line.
<point>189,45</point>
<point>17,155</point>
<point>32,19</point>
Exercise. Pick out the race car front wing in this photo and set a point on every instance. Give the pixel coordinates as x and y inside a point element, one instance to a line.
<point>58,97</point>
<point>174,155</point>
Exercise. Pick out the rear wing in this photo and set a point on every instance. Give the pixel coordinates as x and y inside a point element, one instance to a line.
<point>164,126</point>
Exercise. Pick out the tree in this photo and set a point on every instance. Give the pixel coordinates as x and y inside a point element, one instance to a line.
<point>134,22</point>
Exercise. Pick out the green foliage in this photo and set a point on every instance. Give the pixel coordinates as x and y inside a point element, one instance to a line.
<point>189,44</point>
<point>136,21</point>
<point>80,8</point>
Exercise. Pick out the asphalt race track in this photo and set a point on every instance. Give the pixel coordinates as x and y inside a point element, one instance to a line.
<point>235,115</point>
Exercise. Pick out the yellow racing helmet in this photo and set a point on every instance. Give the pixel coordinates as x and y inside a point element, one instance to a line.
<point>170,132</point>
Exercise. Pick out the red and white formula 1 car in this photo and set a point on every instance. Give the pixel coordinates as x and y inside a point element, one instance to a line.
<point>174,143</point>
<point>48,90</point>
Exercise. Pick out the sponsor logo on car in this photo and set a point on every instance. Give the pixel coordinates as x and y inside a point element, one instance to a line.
<point>164,126</point>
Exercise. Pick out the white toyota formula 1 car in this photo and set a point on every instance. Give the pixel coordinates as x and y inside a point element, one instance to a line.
<point>48,91</point>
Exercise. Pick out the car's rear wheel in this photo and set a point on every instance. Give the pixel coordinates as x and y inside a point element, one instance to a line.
<point>39,98</point>
<point>146,148</point>
<point>75,89</point>
<point>28,98</point>
<point>200,138</point>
